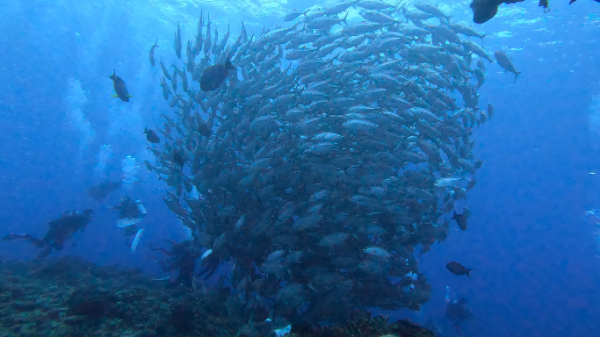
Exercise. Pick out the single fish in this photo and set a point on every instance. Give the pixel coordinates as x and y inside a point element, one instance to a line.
<point>151,136</point>
<point>136,240</point>
<point>461,220</point>
<point>178,42</point>
<point>490,110</point>
<point>505,62</point>
<point>120,88</point>
<point>178,159</point>
<point>458,269</point>
<point>151,54</point>
<point>294,14</point>
<point>448,182</point>
<point>213,76</point>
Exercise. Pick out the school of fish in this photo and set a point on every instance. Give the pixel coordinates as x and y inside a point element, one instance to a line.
<point>316,158</point>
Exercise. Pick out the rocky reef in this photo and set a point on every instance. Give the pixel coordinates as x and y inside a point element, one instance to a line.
<point>71,297</point>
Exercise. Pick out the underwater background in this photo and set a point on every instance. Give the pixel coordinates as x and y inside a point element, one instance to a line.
<point>534,255</point>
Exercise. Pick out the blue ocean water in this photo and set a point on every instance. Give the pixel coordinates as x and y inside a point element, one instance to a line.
<point>535,259</point>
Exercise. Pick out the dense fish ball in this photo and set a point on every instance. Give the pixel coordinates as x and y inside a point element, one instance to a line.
<point>336,150</point>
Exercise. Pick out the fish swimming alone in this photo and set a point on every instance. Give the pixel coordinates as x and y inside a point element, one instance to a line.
<point>213,76</point>
<point>484,10</point>
<point>505,62</point>
<point>458,269</point>
<point>151,55</point>
<point>151,136</point>
<point>120,88</point>
<point>178,42</point>
<point>461,220</point>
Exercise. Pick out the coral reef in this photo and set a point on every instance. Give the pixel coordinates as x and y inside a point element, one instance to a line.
<point>71,297</point>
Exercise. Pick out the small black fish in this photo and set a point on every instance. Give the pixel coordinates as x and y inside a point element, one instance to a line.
<point>472,182</point>
<point>178,159</point>
<point>151,136</point>
<point>203,129</point>
<point>120,88</point>
<point>461,220</point>
<point>178,42</point>
<point>151,55</point>
<point>490,109</point>
<point>213,76</point>
<point>458,269</point>
<point>484,10</point>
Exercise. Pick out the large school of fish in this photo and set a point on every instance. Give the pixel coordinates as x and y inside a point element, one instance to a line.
<point>315,158</point>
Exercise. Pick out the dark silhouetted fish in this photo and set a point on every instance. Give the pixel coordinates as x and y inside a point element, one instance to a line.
<point>178,41</point>
<point>151,136</point>
<point>203,129</point>
<point>178,159</point>
<point>120,88</point>
<point>505,62</point>
<point>151,55</point>
<point>458,269</point>
<point>101,191</point>
<point>461,220</point>
<point>213,76</point>
<point>484,10</point>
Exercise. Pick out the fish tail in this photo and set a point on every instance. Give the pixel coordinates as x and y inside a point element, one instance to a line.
<point>229,65</point>
<point>345,17</point>
<point>469,272</point>
<point>112,77</point>
<point>156,43</point>
<point>516,76</point>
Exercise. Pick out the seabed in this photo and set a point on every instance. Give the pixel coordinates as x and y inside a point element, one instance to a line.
<point>71,297</point>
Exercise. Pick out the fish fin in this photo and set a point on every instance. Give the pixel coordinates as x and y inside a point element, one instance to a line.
<point>517,75</point>
<point>345,17</point>
<point>115,95</point>
<point>129,96</point>
<point>229,65</point>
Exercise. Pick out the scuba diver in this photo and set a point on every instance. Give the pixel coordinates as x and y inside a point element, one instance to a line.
<point>131,212</point>
<point>60,231</point>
